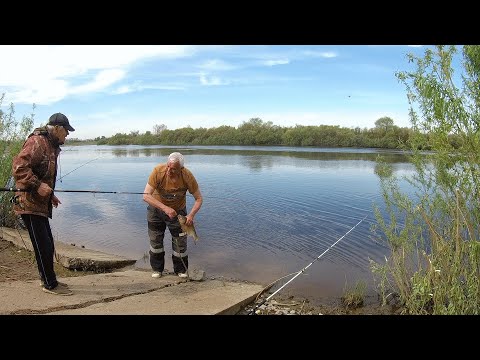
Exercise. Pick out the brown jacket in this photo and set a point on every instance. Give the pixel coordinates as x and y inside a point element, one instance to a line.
<point>36,163</point>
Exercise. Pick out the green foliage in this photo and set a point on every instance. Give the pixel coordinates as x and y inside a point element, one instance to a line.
<point>257,132</point>
<point>12,136</point>
<point>434,265</point>
<point>353,297</point>
<point>384,123</point>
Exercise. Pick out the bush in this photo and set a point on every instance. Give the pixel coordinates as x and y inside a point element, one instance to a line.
<point>12,136</point>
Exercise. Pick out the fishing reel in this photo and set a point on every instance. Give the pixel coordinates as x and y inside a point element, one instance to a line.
<point>15,199</point>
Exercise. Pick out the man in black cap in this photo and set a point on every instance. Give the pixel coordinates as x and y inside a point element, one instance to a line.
<point>60,120</point>
<point>35,169</point>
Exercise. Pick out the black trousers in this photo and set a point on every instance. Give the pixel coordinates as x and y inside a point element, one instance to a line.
<point>42,242</point>
<point>157,222</point>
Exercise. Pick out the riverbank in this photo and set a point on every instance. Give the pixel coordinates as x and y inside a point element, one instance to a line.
<point>18,264</point>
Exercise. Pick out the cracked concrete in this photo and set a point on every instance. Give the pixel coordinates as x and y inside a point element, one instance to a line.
<point>130,292</point>
<point>122,292</point>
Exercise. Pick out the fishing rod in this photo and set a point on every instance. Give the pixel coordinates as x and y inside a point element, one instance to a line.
<point>252,312</point>
<point>101,192</point>
<point>79,191</point>
<point>13,189</point>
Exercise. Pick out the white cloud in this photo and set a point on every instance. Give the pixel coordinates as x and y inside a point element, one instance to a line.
<point>217,65</point>
<point>101,81</point>
<point>44,74</point>
<point>125,89</point>
<point>211,80</point>
<point>276,62</point>
<point>323,54</point>
<point>37,94</point>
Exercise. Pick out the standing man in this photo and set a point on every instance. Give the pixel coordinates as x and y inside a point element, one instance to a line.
<point>35,170</point>
<point>165,194</point>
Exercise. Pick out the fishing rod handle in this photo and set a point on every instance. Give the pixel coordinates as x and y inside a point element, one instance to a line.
<point>14,189</point>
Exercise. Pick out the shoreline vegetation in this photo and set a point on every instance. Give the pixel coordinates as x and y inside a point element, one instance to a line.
<point>256,132</point>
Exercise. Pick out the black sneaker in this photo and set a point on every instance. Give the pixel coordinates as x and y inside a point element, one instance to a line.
<point>58,282</point>
<point>60,289</point>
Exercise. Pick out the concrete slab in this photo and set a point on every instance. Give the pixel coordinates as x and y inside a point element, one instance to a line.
<point>130,292</point>
<point>122,292</point>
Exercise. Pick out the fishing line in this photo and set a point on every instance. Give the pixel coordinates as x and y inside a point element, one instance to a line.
<point>12,189</point>
<point>61,177</point>
<point>299,272</point>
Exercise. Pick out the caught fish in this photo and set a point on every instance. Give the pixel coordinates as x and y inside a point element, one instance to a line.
<point>187,229</point>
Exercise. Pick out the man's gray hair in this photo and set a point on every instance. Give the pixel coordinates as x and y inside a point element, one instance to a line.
<point>176,157</point>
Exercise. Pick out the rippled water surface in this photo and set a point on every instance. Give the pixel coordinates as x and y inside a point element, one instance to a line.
<point>267,212</point>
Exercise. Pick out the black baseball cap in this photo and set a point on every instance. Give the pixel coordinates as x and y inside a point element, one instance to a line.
<point>61,120</point>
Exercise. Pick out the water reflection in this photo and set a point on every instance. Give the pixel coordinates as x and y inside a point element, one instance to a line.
<point>267,212</point>
<point>308,153</point>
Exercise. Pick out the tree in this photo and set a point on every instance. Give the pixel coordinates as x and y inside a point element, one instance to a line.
<point>385,123</point>
<point>157,129</point>
<point>12,136</point>
<point>434,265</point>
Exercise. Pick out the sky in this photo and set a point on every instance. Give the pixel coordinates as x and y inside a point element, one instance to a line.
<point>109,89</point>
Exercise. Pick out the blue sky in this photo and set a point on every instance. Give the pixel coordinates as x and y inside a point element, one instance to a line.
<point>107,89</point>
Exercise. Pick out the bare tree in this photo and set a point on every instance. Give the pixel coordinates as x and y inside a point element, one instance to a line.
<point>157,129</point>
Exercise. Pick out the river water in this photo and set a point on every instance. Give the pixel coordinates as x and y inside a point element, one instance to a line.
<point>267,211</point>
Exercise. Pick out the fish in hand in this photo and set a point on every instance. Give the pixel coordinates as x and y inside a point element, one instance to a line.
<point>189,230</point>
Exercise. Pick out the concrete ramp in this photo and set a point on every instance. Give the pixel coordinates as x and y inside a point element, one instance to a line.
<point>130,292</point>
